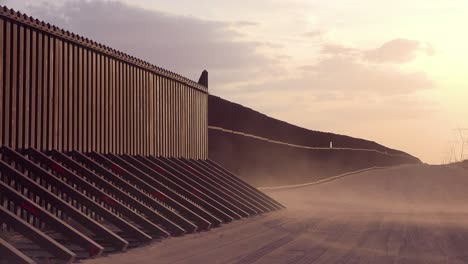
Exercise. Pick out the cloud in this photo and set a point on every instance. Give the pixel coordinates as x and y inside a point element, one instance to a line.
<point>183,44</point>
<point>347,77</point>
<point>336,49</point>
<point>398,51</point>
<point>341,87</point>
<point>313,34</point>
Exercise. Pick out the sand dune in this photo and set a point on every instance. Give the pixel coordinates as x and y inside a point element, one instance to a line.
<point>408,214</point>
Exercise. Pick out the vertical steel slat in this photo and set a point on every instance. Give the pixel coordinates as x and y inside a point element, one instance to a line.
<point>180,128</point>
<point>132,118</point>
<point>175,116</point>
<point>124,112</point>
<point>197,124</point>
<point>205,125</point>
<point>189,123</point>
<point>65,101</point>
<point>112,107</point>
<point>70,85</point>
<point>183,131</point>
<point>159,128</point>
<point>76,97</point>
<point>162,102</point>
<point>186,120</point>
<point>117,106</point>
<point>80,98</point>
<point>129,120</point>
<point>171,118</point>
<point>202,119</point>
<point>193,143</point>
<point>58,95</point>
<point>144,114</point>
<point>51,97</point>
<point>98,103</point>
<point>14,87</point>
<point>135,111</point>
<point>154,116</point>
<point>104,99</point>
<point>138,102</point>
<point>177,133</point>
<point>180,114</point>
<point>150,118</point>
<point>93,102</point>
<point>89,100</point>
<point>141,114</point>
<point>157,101</point>
<point>175,113</point>
<point>106,105</point>
<point>140,111</point>
<point>147,110</point>
<point>45,91</point>
<point>20,98</point>
<point>185,126</point>
<point>121,108</point>
<point>85,111</point>
<point>39,105</point>
<point>166,103</point>
<point>33,99</point>
<point>2,73</point>
<point>27,87</point>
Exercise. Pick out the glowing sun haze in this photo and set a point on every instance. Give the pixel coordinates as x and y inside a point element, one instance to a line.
<point>393,72</point>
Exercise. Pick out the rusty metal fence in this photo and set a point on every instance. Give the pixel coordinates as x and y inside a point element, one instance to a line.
<point>101,152</point>
<point>64,92</point>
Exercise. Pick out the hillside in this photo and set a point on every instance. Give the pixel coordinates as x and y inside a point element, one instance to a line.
<point>301,154</point>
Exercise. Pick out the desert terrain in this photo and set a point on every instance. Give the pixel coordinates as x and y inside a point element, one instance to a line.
<point>406,214</point>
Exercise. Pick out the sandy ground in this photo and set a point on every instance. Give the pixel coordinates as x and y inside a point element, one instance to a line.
<point>408,214</point>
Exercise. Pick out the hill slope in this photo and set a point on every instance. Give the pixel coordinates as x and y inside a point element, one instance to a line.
<point>263,150</point>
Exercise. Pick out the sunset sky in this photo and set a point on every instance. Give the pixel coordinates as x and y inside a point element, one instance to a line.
<point>394,72</point>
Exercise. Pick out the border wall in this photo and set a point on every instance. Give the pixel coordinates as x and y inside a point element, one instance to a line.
<point>64,92</point>
<point>268,152</point>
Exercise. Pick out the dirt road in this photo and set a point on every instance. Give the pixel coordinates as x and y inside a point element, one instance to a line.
<point>408,214</point>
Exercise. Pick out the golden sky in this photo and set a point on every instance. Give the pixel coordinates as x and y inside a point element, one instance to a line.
<point>390,71</point>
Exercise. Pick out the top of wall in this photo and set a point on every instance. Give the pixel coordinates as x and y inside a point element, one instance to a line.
<point>29,21</point>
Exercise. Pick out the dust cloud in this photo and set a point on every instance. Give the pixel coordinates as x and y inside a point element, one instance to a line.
<point>406,214</point>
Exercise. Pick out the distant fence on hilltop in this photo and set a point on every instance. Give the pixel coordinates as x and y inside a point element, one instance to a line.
<point>267,151</point>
